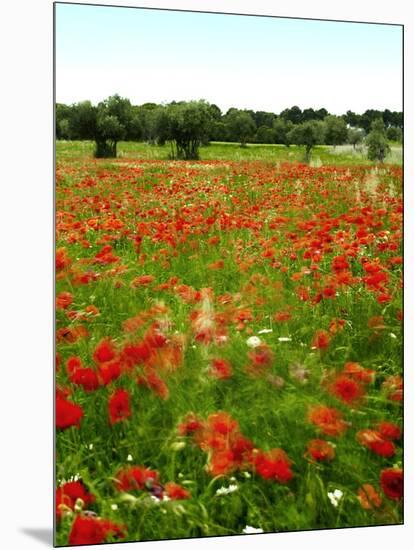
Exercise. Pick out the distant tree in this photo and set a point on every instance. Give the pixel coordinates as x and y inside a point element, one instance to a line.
<point>263,118</point>
<point>63,114</point>
<point>309,114</point>
<point>241,125</point>
<point>355,136</point>
<point>320,114</point>
<point>113,120</point>
<point>367,118</point>
<point>188,125</point>
<point>82,122</point>
<point>294,114</point>
<point>352,118</point>
<point>309,134</point>
<point>265,134</point>
<point>219,131</point>
<point>394,134</point>
<point>335,130</point>
<point>281,129</point>
<point>376,141</point>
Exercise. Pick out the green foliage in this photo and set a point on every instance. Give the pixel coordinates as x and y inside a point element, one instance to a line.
<point>265,134</point>
<point>281,128</point>
<point>394,134</point>
<point>376,141</point>
<point>335,130</point>
<point>309,134</point>
<point>241,125</point>
<point>186,126</point>
<point>355,136</point>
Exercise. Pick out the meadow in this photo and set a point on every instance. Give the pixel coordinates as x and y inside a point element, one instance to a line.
<point>228,342</point>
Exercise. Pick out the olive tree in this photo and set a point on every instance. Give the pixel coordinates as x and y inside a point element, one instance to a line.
<point>309,134</point>
<point>335,130</point>
<point>113,120</point>
<point>376,141</point>
<point>186,125</point>
<point>241,125</point>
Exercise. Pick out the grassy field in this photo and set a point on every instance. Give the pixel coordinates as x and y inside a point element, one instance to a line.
<point>321,155</point>
<point>228,338</point>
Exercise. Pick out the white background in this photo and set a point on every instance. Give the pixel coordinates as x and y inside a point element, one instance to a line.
<point>26,202</point>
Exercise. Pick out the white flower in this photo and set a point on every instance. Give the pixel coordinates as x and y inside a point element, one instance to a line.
<point>335,497</point>
<point>227,490</point>
<point>249,530</point>
<point>265,331</point>
<point>129,458</point>
<point>253,341</point>
<point>284,339</point>
<point>114,506</point>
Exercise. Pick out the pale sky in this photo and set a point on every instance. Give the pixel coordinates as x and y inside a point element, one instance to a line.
<point>259,63</point>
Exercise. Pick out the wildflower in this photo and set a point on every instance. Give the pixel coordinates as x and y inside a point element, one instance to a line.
<point>221,369</point>
<point>392,481</point>
<point>63,300</point>
<point>375,442</point>
<point>176,492</point>
<point>119,406</point>
<point>335,497</point>
<point>249,530</point>
<point>321,340</point>
<point>93,530</point>
<point>227,490</point>
<point>274,464</point>
<point>67,413</point>
<point>299,372</point>
<point>135,478</point>
<point>68,493</point>
<point>104,351</point>
<point>320,450</point>
<point>389,430</point>
<point>253,341</point>
<point>368,497</point>
<point>346,389</point>
<point>328,420</point>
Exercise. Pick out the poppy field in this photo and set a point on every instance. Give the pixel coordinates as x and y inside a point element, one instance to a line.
<point>228,347</point>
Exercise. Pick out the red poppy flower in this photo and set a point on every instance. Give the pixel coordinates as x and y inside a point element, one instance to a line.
<point>190,425</point>
<point>104,351</point>
<point>135,478</point>
<point>320,450</point>
<point>222,462</point>
<point>328,420</point>
<point>369,497</point>
<point>69,493</point>
<point>67,413</point>
<point>176,492</point>
<point>346,389</point>
<point>119,406</point>
<point>321,340</point>
<point>109,371</point>
<point>389,430</point>
<point>375,442</point>
<point>63,300</point>
<point>87,378</point>
<point>221,369</point>
<point>93,530</point>
<point>274,464</point>
<point>392,483</point>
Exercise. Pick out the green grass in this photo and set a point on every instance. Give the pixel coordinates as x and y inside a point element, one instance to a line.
<point>321,155</point>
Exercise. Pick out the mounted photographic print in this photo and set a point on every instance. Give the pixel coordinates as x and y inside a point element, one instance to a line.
<point>228,274</point>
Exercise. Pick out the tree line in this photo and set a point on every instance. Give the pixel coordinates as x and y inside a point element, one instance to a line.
<point>186,125</point>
